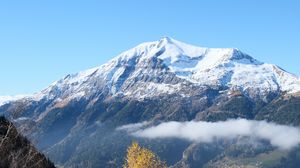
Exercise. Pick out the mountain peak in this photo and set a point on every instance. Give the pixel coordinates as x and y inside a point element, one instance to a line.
<point>160,67</point>
<point>166,39</point>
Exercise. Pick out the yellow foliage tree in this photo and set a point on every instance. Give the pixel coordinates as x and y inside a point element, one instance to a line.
<point>138,157</point>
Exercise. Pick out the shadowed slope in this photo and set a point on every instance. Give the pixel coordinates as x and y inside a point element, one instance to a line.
<point>16,150</point>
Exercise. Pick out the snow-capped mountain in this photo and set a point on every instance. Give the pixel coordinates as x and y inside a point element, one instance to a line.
<point>168,66</point>
<point>74,119</point>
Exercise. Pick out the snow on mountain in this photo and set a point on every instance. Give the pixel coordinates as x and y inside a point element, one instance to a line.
<point>166,67</point>
<point>202,66</point>
<point>7,99</point>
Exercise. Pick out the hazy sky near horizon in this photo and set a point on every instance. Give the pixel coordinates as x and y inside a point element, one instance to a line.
<point>42,41</point>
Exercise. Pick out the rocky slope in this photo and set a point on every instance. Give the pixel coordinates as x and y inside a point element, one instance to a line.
<point>17,151</point>
<point>75,118</point>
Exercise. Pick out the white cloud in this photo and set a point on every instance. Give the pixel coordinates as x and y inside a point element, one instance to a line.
<point>133,127</point>
<point>281,136</point>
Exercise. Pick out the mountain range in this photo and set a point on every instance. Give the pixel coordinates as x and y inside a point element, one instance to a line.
<point>74,120</point>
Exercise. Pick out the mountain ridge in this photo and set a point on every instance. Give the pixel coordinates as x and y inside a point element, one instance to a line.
<point>225,67</point>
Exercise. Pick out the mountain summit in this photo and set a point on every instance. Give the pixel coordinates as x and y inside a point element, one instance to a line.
<point>167,66</point>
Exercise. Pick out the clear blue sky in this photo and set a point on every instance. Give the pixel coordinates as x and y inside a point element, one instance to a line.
<point>41,41</point>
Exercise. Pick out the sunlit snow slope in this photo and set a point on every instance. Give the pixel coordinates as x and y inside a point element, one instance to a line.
<point>168,66</point>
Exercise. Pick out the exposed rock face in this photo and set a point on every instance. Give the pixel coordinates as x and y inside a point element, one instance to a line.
<point>16,151</point>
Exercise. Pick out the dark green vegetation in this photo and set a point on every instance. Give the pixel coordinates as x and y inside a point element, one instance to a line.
<point>16,151</point>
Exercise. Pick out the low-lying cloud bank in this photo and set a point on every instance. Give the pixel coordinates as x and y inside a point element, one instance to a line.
<point>281,136</point>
